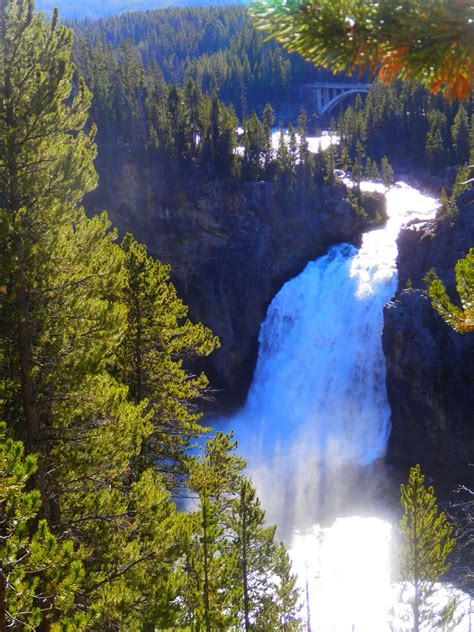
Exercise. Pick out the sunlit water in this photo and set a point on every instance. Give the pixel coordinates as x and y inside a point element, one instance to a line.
<point>317,420</point>
<point>315,143</point>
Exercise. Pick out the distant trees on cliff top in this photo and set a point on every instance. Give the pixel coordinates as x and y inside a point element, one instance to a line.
<point>93,9</point>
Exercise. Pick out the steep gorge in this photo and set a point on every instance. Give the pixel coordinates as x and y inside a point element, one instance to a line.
<point>231,246</point>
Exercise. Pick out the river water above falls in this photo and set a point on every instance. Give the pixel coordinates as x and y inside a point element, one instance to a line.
<point>317,420</point>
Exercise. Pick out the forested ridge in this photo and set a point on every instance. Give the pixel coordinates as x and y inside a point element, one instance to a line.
<point>180,82</point>
<point>218,47</point>
<point>74,9</point>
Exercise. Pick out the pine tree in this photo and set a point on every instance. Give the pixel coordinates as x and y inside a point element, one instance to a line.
<point>431,42</point>
<point>425,543</point>
<point>268,119</point>
<point>368,169</point>
<point>436,139</point>
<point>255,143</point>
<point>215,480</point>
<point>293,157</point>
<point>344,159</point>
<point>357,174</point>
<point>329,166</point>
<point>287,593</point>
<point>448,207</point>
<point>375,174</point>
<point>61,317</point>
<point>135,579</point>
<point>460,135</point>
<point>387,172</point>
<point>158,339</point>
<point>265,587</point>
<point>461,319</point>
<point>283,163</point>
<point>38,576</point>
<point>60,271</point>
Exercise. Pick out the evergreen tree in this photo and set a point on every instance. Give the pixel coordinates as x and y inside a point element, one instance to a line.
<point>305,162</point>
<point>375,174</point>
<point>436,139</point>
<point>283,163</point>
<point>460,135</point>
<point>215,480</point>
<point>255,143</point>
<point>38,576</point>
<point>387,172</point>
<point>268,119</point>
<point>158,339</point>
<point>60,271</point>
<point>344,158</point>
<point>425,543</point>
<point>62,279</point>
<point>265,585</point>
<point>431,42</point>
<point>293,157</point>
<point>461,319</point>
<point>287,593</point>
<point>448,208</point>
<point>357,174</point>
<point>135,578</point>
<point>319,167</point>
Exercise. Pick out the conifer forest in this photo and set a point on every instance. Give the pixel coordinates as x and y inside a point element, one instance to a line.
<point>237,316</point>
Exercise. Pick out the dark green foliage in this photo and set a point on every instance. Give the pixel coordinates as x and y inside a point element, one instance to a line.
<point>460,318</point>
<point>38,576</point>
<point>387,172</point>
<point>158,338</point>
<point>424,546</point>
<point>263,581</point>
<point>218,47</point>
<point>215,480</point>
<point>460,135</point>
<point>230,546</point>
<point>403,121</point>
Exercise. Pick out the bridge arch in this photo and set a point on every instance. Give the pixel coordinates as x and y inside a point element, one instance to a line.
<point>328,94</point>
<point>340,97</point>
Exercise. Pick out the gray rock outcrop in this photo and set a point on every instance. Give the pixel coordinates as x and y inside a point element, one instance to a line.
<point>430,368</point>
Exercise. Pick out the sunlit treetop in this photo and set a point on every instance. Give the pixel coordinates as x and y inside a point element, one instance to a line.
<point>428,40</point>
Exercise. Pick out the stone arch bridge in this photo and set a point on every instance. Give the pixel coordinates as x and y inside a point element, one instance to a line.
<point>328,95</point>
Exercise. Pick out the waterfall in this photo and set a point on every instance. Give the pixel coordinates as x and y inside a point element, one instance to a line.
<point>317,408</point>
<point>317,419</point>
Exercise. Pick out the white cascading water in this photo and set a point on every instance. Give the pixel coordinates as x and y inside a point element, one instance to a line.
<point>317,419</point>
<point>318,406</point>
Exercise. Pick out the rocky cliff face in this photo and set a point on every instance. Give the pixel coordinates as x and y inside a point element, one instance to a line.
<point>231,246</point>
<point>430,368</point>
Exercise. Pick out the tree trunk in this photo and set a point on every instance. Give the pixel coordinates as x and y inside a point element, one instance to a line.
<point>138,344</point>
<point>416,570</point>
<point>3,602</point>
<point>207,619</point>
<point>244,560</point>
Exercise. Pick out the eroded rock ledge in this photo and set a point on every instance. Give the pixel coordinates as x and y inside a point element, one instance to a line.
<point>430,368</point>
